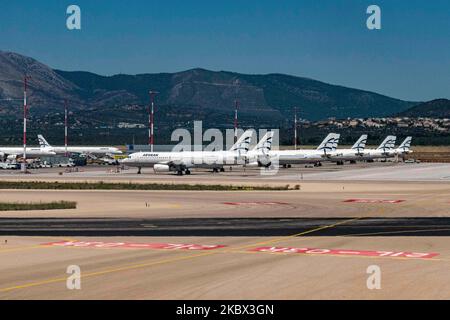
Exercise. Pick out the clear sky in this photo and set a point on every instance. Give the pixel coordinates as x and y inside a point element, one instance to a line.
<point>322,39</point>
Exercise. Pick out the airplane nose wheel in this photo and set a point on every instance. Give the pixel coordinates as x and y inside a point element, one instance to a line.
<point>187,171</point>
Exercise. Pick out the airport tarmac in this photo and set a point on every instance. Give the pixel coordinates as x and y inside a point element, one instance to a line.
<point>312,243</point>
<point>379,171</point>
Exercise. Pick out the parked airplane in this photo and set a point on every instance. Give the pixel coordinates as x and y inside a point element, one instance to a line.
<point>384,151</point>
<point>264,156</point>
<point>17,152</point>
<point>355,153</point>
<point>96,151</point>
<point>181,162</point>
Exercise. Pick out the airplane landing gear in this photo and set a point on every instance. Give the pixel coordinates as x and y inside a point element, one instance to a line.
<point>215,170</point>
<point>222,169</point>
<point>187,171</point>
<point>139,170</point>
<point>179,173</point>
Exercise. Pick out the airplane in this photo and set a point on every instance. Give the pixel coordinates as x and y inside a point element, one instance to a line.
<point>405,147</point>
<point>181,162</point>
<point>286,158</point>
<point>17,152</point>
<point>356,152</point>
<point>384,151</point>
<point>96,151</point>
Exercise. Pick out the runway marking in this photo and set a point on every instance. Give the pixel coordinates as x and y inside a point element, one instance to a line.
<point>392,254</point>
<point>107,271</point>
<point>373,201</point>
<point>394,232</point>
<point>21,248</point>
<point>299,234</point>
<point>32,246</point>
<point>127,245</point>
<point>164,261</point>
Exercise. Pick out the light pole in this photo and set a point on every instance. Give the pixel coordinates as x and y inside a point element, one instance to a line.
<point>151,119</point>
<point>25,113</point>
<point>65,127</point>
<point>236,106</point>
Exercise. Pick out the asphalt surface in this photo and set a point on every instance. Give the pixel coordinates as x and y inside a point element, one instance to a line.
<point>226,227</point>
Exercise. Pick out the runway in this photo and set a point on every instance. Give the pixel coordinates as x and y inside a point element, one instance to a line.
<point>312,243</point>
<point>226,227</point>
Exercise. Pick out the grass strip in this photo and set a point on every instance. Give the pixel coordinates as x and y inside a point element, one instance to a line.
<point>50,185</point>
<point>19,206</point>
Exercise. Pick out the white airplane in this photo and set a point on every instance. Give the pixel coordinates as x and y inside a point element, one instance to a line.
<point>405,147</point>
<point>262,155</point>
<point>356,152</point>
<point>17,152</point>
<point>96,151</point>
<point>181,162</point>
<point>384,151</point>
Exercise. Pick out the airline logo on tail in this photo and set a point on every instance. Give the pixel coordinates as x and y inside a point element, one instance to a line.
<point>388,143</point>
<point>265,144</point>
<point>330,143</point>
<point>243,144</point>
<point>360,145</point>
<point>406,145</point>
<point>42,142</point>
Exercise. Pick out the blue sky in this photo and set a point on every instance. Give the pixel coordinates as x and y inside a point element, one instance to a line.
<point>325,40</point>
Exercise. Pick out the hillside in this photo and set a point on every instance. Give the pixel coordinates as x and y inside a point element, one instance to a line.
<point>192,94</point>
<point>439,108</point>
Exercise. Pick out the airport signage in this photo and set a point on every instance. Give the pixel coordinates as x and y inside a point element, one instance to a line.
<point>373,201</point>
<point>164,246</point>
<point>366,253</point>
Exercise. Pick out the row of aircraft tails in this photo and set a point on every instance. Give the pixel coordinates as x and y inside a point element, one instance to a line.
<point>262,155</point>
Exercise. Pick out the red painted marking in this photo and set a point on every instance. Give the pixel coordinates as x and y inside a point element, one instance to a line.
<point>373,201</point>
<point>366,253</point>
<point>265,203</point>
<point>165,246</point>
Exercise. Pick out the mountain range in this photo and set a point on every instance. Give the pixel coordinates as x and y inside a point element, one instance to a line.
<point>439,108</point>
<point>192,94</point>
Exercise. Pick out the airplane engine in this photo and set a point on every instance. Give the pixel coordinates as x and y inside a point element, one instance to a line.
<point>264,162</point>
<point>161,168</point>
<point>12,157</point>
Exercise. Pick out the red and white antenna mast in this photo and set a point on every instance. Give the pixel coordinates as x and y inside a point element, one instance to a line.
<point>295,128</point>
<point>65,127</point>
<point>236,106</point>
<point>25,112</point>
<point>151,119</point>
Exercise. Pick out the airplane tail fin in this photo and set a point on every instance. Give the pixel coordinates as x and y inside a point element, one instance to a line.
<point>329,143</point>
<point>360,145</point>
<point>243,143</point>
<point>336,141</point>
<point>406,144</point>
<point>388,143</point>
<point>265,144</point>
<point>42,142</point>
